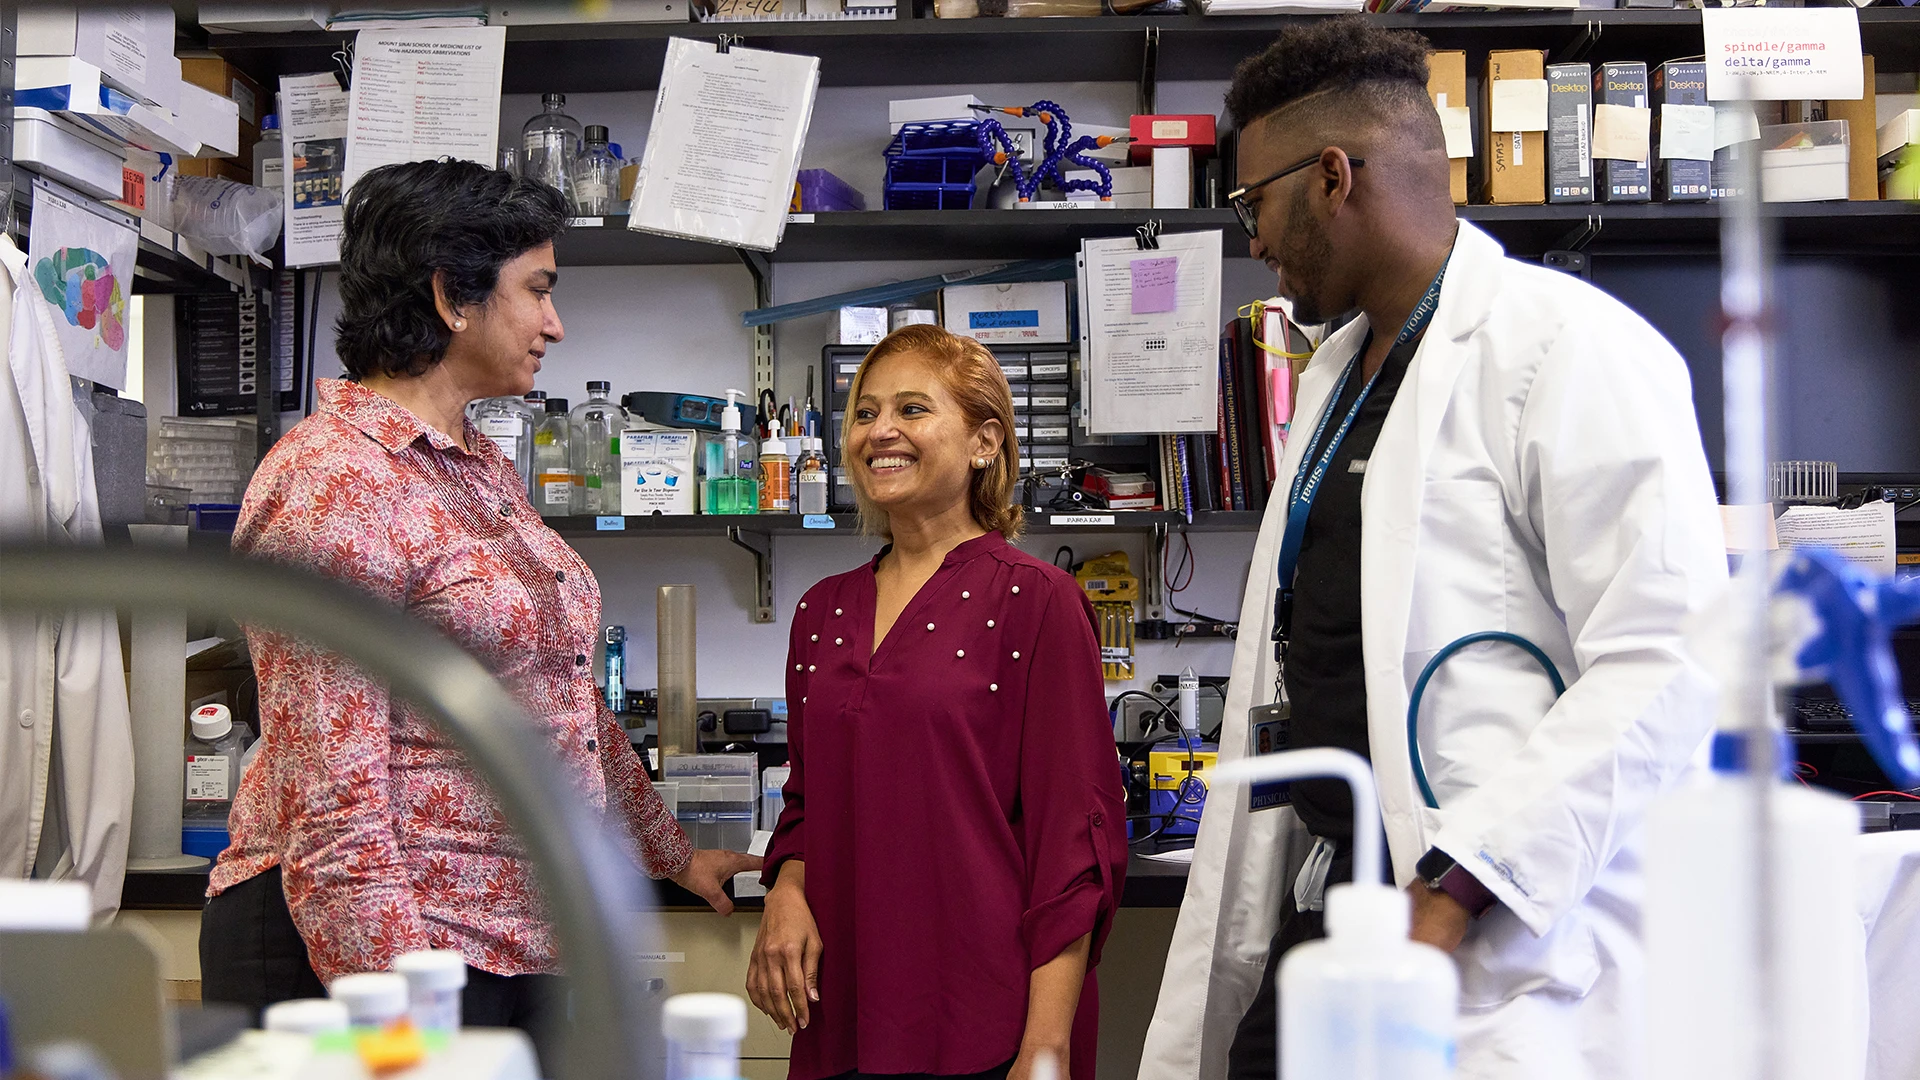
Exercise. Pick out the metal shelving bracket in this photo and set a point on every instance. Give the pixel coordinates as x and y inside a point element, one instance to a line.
<point>1154,588</point>
<point>1580,47</point>
<point>1149,70</point>
<point>9,45</point>
<point>760,268</point>
<point>761,544</point>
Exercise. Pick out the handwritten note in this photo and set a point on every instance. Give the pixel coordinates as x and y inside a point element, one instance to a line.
<point>1456,123</point>
<point>1734,122</point>
<point>1776,53</point>
<point>1153,284</point>
<point>1686,132</point>
<point>1620,132</point>
<point>1519,105</point>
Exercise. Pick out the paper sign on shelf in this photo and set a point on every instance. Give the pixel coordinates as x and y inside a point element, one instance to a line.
<point>80,266</point>
<point>1456,123</point>
<point>1734,122</point>
<point>1620,132</point>
<point>313,150</point>
<point>1151,371</point>
<point>1778,54</point>
<point>419,95</point>
<point>1686,132</point>
<point>1519,105</point>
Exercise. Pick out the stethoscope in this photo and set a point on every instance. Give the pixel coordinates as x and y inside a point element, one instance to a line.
<point>1306,485</point>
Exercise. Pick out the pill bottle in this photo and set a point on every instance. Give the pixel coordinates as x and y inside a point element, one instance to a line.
<point>305,1016</point>
<point>434,980</point>
<point>703,1033</point>
<point>373,999</point>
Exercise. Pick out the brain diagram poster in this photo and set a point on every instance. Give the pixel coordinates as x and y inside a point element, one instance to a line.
<point>81,263</point>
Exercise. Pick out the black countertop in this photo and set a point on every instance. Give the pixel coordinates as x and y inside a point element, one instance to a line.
<point>1149,884</point>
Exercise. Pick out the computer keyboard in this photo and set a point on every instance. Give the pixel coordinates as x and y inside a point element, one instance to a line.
<point>1819,713</point>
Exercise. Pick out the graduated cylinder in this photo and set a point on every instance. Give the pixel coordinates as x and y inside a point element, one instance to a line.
<point>674,637</point>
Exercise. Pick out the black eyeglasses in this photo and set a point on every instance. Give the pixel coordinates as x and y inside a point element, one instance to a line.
<point>1250,215</point>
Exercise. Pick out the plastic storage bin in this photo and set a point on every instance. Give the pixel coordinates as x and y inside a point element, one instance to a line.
<point>717,794</point>
<point>818,191</point>
<point>932,166</point>
<point>1804,162</point>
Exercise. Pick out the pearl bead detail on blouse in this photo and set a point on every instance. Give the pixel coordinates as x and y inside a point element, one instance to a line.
<point>1016,590</point>
<point>995,687</point>
<point>836,611</point>
<point>959,652</point>
<point>965,595</point>
<point>803,605</point>
<point>816,637</point>
<point>809,667</point>
<point>929,626</point>
<point>989,624</point>
<point>1016,654</point>
<point>796,667</point>
<point>839,641</point>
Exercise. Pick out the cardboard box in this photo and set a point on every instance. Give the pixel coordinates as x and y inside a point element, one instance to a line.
<point>1680,82</point>
<point>212,119</point>
<point>1863,181</point>
<point>1172,177</point>
<point>929,109</point>
<point>218,168</point>
<point>1447,86</point>
<point>131,44</point>
<point>212,73</point>
<point>79,92</point>
<point>1193,131</point>
<point>1897,134</point>
<point>1726,172</point>
<point>657,472</point>
<point>1621,83</point>
<point>1569,129</point>
<point>1514,162</point>
<point>1011,314</point>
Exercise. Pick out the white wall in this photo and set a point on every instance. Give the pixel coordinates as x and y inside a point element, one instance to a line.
<point>678,328</point>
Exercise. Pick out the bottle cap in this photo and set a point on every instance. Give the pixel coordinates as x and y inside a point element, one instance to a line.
<point>614,149</point>
<point>596,133</point>
<point>372,998</point>
<point>534,395</point>
<point>599,386</point>
<point>1730,752</point>
<point>616,635</point>
<point>432,969</point>
<point>305,1016</point>
<point>557,405</point>
<point>1368,912</point>
<point>704,1018</point>
<point>211,721</point>
<point>730,416</point>
<point>817,445</point>
<point>773,444</point>
<point>270,122</point>
<point>553,101</point>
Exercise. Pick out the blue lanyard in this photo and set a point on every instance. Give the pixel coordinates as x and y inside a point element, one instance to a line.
<point>1306,481</point>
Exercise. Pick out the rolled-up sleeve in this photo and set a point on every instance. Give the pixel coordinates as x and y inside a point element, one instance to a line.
<point>1073,812</point>
<point>662,844</point>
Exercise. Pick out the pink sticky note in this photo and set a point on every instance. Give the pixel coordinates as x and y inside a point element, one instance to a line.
<point>1153,284</point>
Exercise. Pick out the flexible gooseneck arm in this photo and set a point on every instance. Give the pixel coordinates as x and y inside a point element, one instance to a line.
<point>1316,763</point>
<point>599,907</point>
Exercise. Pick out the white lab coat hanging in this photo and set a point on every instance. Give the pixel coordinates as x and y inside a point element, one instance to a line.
<point>66,742</point>
<point>1540,473</point>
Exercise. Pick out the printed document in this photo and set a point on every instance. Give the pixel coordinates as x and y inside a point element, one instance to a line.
<point>1152,334</point>
<point>1863,536</point>
<point>425,94</point>
<point>725,144</point>
<point>314,155</point>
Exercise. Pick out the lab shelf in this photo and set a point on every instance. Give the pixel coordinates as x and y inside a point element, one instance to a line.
<point>847,525</point>
<point>590,57</point>
<point>1526,231</point>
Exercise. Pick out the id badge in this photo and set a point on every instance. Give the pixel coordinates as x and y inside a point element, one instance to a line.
<point>1269,731</point>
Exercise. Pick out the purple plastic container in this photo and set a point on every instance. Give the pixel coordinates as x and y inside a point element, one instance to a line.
<point>818,191</point>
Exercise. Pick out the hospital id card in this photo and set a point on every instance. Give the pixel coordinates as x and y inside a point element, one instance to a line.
<point>1269,731</point>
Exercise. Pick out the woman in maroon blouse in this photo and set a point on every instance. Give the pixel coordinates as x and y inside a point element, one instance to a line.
<point>953,844</point>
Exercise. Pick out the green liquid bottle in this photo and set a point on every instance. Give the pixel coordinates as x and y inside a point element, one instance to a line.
<point>730,489</point>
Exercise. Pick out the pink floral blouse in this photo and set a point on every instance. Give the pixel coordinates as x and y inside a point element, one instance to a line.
<point>386,841</point>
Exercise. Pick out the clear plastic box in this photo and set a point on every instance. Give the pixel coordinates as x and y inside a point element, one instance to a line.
<point>1804,162</point>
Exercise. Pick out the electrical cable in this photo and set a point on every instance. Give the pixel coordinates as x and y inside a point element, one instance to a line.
<point>1433,665</point>
<point>1069,553</point>
<point>1896,794</point>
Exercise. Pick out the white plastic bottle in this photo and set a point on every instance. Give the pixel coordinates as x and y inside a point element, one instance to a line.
<point>213,765</point>
<point>374,999</point>
<point>1366,1003</point>
<point>435,978</point>
<point>305,1016</point>
<point>703,1033</point>
<point>1703,942</point>
<point>269,167</point>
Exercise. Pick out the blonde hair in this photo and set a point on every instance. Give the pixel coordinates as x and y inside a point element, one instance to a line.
<point>972,375</point>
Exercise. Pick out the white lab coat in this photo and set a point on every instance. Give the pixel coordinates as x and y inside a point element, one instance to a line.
<point>1541,472</point>
<point>66,741</point>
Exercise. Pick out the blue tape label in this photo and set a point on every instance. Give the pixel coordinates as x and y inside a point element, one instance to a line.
<point>817,521</point>
<point>610,523</point>
<point>1003,320</point>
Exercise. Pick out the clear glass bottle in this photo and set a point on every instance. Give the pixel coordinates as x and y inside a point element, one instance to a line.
<point>810,480</point>
<point>594,448</point>
<point>549,142</point>
<point>509,421</point>
<point>616,691</point>
<point>268,165</point>
<point>556,487</point>
<point>596,176</point>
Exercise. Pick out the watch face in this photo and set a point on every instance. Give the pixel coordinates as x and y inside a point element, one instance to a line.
<point>1433,866</point>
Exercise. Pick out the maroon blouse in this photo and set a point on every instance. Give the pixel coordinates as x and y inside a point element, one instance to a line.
<point>958,804</point>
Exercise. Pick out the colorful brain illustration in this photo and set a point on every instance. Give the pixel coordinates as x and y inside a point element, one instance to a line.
<point>80,282</point>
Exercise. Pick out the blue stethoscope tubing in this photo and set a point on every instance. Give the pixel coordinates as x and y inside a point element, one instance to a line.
<point>1433,665</point>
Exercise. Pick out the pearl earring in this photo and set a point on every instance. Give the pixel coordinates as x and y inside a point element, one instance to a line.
<point>459,324</point>
<point>979,463</point>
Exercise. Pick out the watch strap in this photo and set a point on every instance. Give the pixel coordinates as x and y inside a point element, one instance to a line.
<point>1443,874</point>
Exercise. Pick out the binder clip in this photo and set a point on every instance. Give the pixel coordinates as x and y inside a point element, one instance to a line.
<point>727,42</point>
<point>343,66</point>
<point>1148,236</point>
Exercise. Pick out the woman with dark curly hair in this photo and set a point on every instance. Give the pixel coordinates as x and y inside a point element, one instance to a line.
<point>359,833</point>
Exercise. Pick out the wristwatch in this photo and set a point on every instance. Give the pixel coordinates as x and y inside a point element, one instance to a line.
<point>1442,874</point>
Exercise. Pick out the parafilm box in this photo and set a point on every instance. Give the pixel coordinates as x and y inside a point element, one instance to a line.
<point>1569,149</point>
<point>1680,82</point>
<point>657,472</point>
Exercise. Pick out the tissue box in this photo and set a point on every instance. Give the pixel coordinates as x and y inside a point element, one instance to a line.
<point>657,472</point>
<point>1804,162</point>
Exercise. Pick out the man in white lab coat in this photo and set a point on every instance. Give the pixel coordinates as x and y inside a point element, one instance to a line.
<point>1487,446</point>
<point>66,744</point>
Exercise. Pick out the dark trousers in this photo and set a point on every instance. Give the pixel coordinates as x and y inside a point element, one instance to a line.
<point>1256,1044</point>
<point>991,1074</point>
<point>252,955</point>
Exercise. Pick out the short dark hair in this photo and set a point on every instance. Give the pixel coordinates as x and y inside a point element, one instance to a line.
<point>404,223</point>
<point>1350,53</point>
